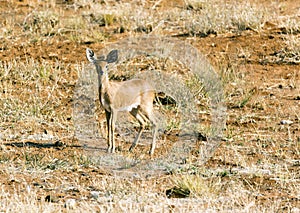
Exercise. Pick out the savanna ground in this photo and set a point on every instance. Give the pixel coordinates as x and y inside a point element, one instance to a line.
<point>254,47</point>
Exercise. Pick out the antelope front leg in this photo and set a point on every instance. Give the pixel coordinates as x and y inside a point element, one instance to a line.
<point>113,119</point>
<point>108,122</point>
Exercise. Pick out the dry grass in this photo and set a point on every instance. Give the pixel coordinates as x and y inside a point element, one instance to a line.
<point>200,18</point>
<point>255,169</point>
<point>33,99</point>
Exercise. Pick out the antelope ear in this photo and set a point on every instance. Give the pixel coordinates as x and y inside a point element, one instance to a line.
<point>112,56</point>
<point>90,55</point>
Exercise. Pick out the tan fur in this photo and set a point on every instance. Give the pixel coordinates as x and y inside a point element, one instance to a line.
<point>135,96</point>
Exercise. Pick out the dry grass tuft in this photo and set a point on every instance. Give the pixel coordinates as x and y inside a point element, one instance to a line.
<point>254,46</point>
<point>34,95</point>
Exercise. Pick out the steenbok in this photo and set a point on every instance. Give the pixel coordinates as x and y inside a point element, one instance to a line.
<point>135,96</point>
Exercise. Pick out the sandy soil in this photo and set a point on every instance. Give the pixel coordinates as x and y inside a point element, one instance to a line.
<point>255,128</point>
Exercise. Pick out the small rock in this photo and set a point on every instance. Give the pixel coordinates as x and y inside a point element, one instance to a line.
<point>58,143</point>
<point>177,192</point>
<point>95,194</point>
<point>286,122</point>
<point>70,204</point>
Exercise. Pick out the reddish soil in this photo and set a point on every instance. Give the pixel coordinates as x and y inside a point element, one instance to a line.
<point>273,83</point>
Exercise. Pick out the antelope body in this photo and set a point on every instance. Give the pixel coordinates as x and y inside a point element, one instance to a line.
<point>135,96</point>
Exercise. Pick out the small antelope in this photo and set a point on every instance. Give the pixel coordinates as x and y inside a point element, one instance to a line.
<point>135,96</point>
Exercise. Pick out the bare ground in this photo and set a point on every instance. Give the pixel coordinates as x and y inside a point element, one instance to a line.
<point>258,158</point>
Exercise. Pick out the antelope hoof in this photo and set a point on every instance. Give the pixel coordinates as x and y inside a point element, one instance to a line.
<point>110,150</point>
